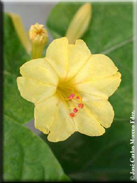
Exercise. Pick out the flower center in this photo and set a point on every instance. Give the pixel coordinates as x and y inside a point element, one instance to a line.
<point>71,98</point>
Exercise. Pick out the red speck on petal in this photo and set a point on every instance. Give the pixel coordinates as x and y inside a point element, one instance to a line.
<point>72,114</point>
<point>80,105</point>
<point>71,96</point>
<point>75,110</point>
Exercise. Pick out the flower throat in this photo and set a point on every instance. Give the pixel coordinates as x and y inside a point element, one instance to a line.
<point>73,99</point>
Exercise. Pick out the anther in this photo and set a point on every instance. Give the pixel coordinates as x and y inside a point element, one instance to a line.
<point>71,96</point>
<point>72,114</point>
<point>80,105</point>
<point>75,110</point>
<point>76,101</point>
<point>77,97</point>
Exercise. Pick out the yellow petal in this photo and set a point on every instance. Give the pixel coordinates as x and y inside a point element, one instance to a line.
<point>63,125</point>
<point>98,66</point>
<point>33,90</point>
<point>101,110</point>
<point>57,56</point>
<point>107,85</point>
<point>77,57</point>
<point>45,113</point>
<point>66,59</point>
<point>87,124</point>
<point>85,88</point>
<point>17,22</point>
<point>103,87</point>
<point>39,69</point>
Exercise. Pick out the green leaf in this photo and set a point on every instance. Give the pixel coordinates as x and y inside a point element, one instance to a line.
<point>110,32</point>
<point>27,157</point>
<point>104,158</point>
<point>14,56</point>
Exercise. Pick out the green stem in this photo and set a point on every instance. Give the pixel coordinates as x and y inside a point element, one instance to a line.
<point>37,51</point>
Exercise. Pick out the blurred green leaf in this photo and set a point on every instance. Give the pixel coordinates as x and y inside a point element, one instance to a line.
<point>27,157</point>
<point>14,56</point>
<point>104,158</point>
<point>110,32</point>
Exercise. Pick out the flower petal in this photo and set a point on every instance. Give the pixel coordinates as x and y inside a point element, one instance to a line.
<point>107,85</point>
<point>86,88</point>
<point>33,90</point>
<point>103,87</point>
<point>57,56</point>
<point>98,67</point>
<point>101,110</point>
<point>87,124</point>
<point>77,57</point>
<point>39,69</point>
<point>63,125</point>
<point>45,113</point>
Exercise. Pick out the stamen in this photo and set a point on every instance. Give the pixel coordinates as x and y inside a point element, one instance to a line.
<point>80,105</point>
<point>75,110</point>
<point>71,96</point>
<point>72,115</point>
<point>75,99</point>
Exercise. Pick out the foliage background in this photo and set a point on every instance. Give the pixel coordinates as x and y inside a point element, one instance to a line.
<point>105,158</point>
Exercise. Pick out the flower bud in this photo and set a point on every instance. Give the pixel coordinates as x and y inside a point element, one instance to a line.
<point>79,23</point>
<point>39,37</point>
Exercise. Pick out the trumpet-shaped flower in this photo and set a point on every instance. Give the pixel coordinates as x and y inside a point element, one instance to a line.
<point>70,89</point>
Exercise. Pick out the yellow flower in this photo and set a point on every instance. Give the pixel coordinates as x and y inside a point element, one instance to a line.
<point>70,89</point>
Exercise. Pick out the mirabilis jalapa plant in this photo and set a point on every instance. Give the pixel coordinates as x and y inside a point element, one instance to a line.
<point>70,86</point>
